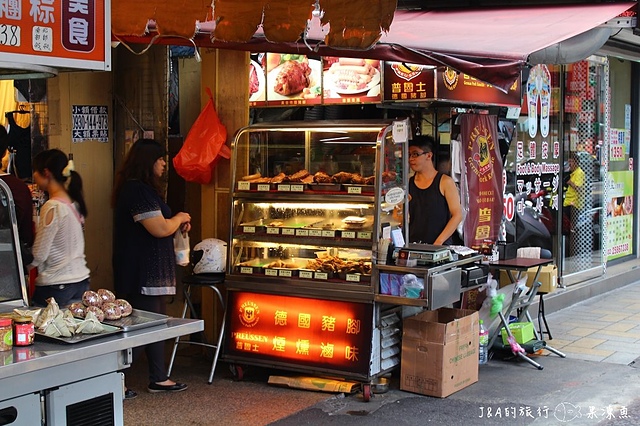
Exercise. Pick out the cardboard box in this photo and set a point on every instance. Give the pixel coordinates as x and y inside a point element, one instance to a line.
<point>522,331</point>
<point>439,351</point>
<point>548,278</point>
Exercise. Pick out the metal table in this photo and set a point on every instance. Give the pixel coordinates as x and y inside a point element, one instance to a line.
<point>42,368</point>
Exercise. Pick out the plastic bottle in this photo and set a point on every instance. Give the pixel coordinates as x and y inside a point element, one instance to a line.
<point>483,343</point>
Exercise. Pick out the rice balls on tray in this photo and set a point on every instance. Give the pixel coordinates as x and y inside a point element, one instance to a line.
<point>103,304</point>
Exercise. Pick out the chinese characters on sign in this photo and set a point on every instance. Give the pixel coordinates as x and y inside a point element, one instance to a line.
<point>312,332</point>
<point>90,123</point>
<point>67,33</point>
<point>408,82</point>
<point>482,180</point>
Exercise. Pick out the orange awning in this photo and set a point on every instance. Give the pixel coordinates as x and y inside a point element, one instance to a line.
<point>354,24</point>
<point>491,44</point>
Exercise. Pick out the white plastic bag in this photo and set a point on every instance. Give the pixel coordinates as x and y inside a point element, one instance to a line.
<point>181,247</point>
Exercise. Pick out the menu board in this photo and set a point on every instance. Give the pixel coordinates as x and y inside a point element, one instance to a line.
<point>277,79</point>
<point>351,80</point>
<point>284,80</point>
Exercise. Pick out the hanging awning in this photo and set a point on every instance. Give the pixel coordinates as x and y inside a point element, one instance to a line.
<point>491,44</point>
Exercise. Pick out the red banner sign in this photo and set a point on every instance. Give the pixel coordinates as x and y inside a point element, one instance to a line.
<point>60,33</point>
<point>482,180</point>
<point>408,82</point>
<point>324,334</point>
<point>456,87</point>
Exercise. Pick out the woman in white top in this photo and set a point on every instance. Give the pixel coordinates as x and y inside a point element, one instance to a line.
<point>58,250</point>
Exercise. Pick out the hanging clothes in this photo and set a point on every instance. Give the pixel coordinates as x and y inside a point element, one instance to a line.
<point>20,140</point>
<point>39,142</point>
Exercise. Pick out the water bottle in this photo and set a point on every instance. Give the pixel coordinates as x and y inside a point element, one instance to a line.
<point>483,341</point>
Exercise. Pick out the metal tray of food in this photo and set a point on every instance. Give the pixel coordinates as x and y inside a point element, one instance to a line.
<point>138,319</point>
<point>325,187</point>
<point>79,338</point>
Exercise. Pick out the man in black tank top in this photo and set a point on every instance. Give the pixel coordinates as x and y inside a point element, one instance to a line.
<point>434,202</point>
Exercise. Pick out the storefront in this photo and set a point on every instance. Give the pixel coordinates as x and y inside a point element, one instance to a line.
<point>540,38</point>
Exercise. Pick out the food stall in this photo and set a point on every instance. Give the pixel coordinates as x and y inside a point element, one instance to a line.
<point>66,380</point>
<point>315,206</point>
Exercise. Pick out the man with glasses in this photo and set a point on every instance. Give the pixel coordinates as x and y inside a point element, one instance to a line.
<point>434,202</point>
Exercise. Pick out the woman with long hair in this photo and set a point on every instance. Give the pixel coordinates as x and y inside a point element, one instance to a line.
<point>143,254</point>
<point>58,250</point>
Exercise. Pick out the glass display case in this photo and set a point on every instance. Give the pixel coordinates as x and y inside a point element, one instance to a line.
<point>310,203</point>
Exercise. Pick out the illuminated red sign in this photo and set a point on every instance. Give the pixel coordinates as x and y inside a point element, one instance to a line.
<point>325,334</point>
<point>457,87</point>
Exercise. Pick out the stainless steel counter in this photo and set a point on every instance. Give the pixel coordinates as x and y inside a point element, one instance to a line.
<point>46,365</point>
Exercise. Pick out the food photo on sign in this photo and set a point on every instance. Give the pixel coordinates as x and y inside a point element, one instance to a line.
<point>257,80</point>
<point>292,79</point>
<point>350,78</point>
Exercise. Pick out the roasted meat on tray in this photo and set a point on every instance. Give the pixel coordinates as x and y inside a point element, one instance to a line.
<point>321,177</point>
<point>292,78</point>
<point>342,177</point>
<point>297,176</point>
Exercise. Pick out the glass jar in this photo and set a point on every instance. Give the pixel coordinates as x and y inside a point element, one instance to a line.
<point>6,334</point>
<point>23,331</point>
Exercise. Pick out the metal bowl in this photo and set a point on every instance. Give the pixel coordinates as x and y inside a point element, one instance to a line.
<point>379,385</point>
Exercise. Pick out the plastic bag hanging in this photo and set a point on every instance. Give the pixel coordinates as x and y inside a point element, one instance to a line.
<point>203,146</point>
<point>181,247</point>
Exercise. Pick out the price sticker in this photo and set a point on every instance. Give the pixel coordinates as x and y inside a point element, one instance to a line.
<point>297,187</point>
<point>364,235</point>
<point>285,272</point>
<point>354,278</point>
<point>315,233</point>
<point>249,229</point>
<point>288,231</point>
<point>246,270</point>
<point>306,274</point>
<point>348,234</point>
<point>284,187</point>
<point>271,272</point>
<point>329,234</point>
<point>273,231</point>
<point>244,186</point>
<point>264,187</point>
<point>302,232</point>
<point>354,190</point>
<point>321,275</point>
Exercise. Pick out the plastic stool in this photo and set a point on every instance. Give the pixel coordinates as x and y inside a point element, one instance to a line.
<point>211,281</point>
<point>542,319</point>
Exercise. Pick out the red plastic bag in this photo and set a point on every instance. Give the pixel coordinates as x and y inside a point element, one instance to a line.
<point>203,146</point>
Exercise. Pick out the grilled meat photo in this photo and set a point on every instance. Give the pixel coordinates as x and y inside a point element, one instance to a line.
<point>292,78</point>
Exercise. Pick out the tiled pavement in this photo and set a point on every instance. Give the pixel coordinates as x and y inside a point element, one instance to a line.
<point>605,328</point>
